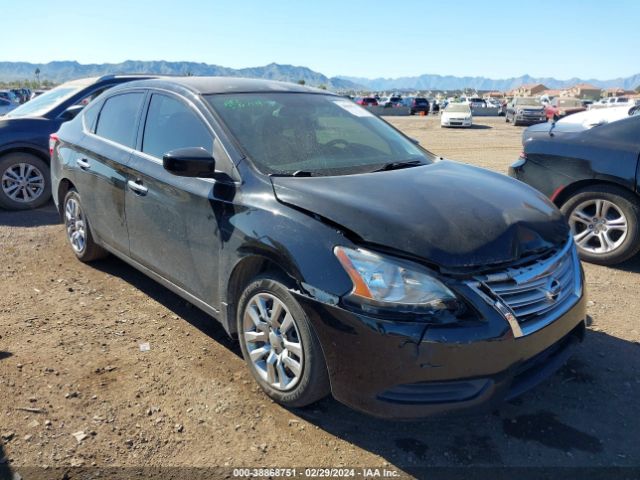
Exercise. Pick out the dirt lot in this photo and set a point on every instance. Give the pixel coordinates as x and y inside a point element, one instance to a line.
<point>69,350</point>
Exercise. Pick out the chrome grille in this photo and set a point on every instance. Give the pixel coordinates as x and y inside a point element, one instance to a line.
<point>542,290</point>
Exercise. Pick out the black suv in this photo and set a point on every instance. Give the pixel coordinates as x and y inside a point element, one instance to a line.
<point>343,256</point>
<point>24,138</point>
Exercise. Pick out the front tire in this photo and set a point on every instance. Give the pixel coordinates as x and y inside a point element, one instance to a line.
<point>78,229</point>
<point>279,345</point>
<point>605,223</point>
<point>25,181</point>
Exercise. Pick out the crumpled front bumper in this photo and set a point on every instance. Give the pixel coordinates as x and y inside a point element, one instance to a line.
<point>411,370</point>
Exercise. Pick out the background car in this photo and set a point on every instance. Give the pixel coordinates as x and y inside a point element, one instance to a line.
<point>6,106</point>
<point>560,107</point>
<point>367,101</point>
<point>525,111</point>
<point>477,102</point>
<point>416,105</point>
<point>391,102</point>
<point>10,96</point>
<point>592,176</point>
<point>456,115</point>
<point>24,138</point>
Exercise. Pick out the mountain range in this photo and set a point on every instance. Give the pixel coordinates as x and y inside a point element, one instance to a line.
<point>61,71</point>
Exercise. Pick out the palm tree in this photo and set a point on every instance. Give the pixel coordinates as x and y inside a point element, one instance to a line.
<point>38,75</point>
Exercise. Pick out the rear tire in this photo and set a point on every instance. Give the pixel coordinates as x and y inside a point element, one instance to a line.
<point>281,349</point>
<point>78,229</point>
<point>25,181</point>
<point>604,241</point>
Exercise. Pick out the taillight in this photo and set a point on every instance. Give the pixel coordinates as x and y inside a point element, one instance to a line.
<point>53,139</point>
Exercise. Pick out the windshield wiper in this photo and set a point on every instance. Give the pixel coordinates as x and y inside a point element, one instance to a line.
<point>399,165</point>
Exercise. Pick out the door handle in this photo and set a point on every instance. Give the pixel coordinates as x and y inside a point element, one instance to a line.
<point>83,163</point>
<point>137,188</point>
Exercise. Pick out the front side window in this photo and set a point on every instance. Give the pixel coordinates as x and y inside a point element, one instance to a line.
<point>170,125</point>
<point>118,118</point>
<point>285,133</point>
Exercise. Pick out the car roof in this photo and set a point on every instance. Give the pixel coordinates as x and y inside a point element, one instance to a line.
<point>214,85</point>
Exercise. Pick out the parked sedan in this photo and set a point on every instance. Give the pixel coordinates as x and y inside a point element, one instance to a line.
<point>456,115</point>
<point>560,107</point>
<point>344,257</point>
<point>592,175</point>
<point>525,111</point>
<point>24,139</point>
<point>6,106</point>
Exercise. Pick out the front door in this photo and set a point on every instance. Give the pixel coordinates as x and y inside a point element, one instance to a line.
<point>172,226</point>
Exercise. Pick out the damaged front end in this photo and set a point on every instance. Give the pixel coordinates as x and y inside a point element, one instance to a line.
<point>508,330</point>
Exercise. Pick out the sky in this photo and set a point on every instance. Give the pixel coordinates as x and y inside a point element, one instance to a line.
<point>492,38</point>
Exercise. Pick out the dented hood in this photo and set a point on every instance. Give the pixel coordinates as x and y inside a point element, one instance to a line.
<point>447,213</point>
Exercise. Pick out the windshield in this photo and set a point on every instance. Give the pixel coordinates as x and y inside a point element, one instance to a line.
<point>458,107</point>
<point>287,133</point>
<point>46,102</point>
<point>528,101</point>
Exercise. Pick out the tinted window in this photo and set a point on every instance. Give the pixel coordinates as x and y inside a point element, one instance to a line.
<point>90,114</point>
<point>118,118</point>
<point>171,125</point>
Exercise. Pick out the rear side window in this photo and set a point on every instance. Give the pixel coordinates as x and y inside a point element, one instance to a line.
<point>119,117</point>
<point>171,125</point>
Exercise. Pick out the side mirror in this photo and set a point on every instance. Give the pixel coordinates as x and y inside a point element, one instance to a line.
<point>189,162</point>
<point>71,112</point>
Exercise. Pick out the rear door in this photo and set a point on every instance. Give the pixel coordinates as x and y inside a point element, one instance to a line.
<point>172,222</point>
<point>101,166</point>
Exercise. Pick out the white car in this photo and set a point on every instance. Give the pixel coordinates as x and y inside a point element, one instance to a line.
<point>612,102</point>
<point>456,115</point>
<point>597,116</point>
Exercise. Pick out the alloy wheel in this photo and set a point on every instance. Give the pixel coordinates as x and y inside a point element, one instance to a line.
<point>598,226</point>
<point>273,341</point>
<point>76,226</point>
<point>23,182</point>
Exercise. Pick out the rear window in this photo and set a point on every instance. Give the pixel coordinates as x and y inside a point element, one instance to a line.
<point>421,101</point>
<point>118,118</point>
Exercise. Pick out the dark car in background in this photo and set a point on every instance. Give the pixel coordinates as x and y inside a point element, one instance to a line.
<point>592,175</point>
<point>525,111</point>
<point>417,105</point>
<point>560,107</point>
<point>344,257</point>
<point>24,138</point>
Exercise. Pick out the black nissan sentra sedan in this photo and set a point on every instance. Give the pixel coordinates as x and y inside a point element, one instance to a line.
<point>344,257</point>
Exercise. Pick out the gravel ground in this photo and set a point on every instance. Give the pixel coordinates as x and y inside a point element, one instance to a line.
<point>76,390</point>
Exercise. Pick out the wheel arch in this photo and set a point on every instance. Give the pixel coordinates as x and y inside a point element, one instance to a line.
<point>63,188</point>
<point>244,271</point>
<point>567,192</point>
<point>25,148</point>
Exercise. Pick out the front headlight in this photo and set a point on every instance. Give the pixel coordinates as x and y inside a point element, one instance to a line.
<point>393,283</point>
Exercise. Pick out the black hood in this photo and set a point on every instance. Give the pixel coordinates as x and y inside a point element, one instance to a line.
<point>446,213</point>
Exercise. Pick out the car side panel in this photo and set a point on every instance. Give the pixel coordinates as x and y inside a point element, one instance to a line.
<point>101,186</point>
<point>174,227</point>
